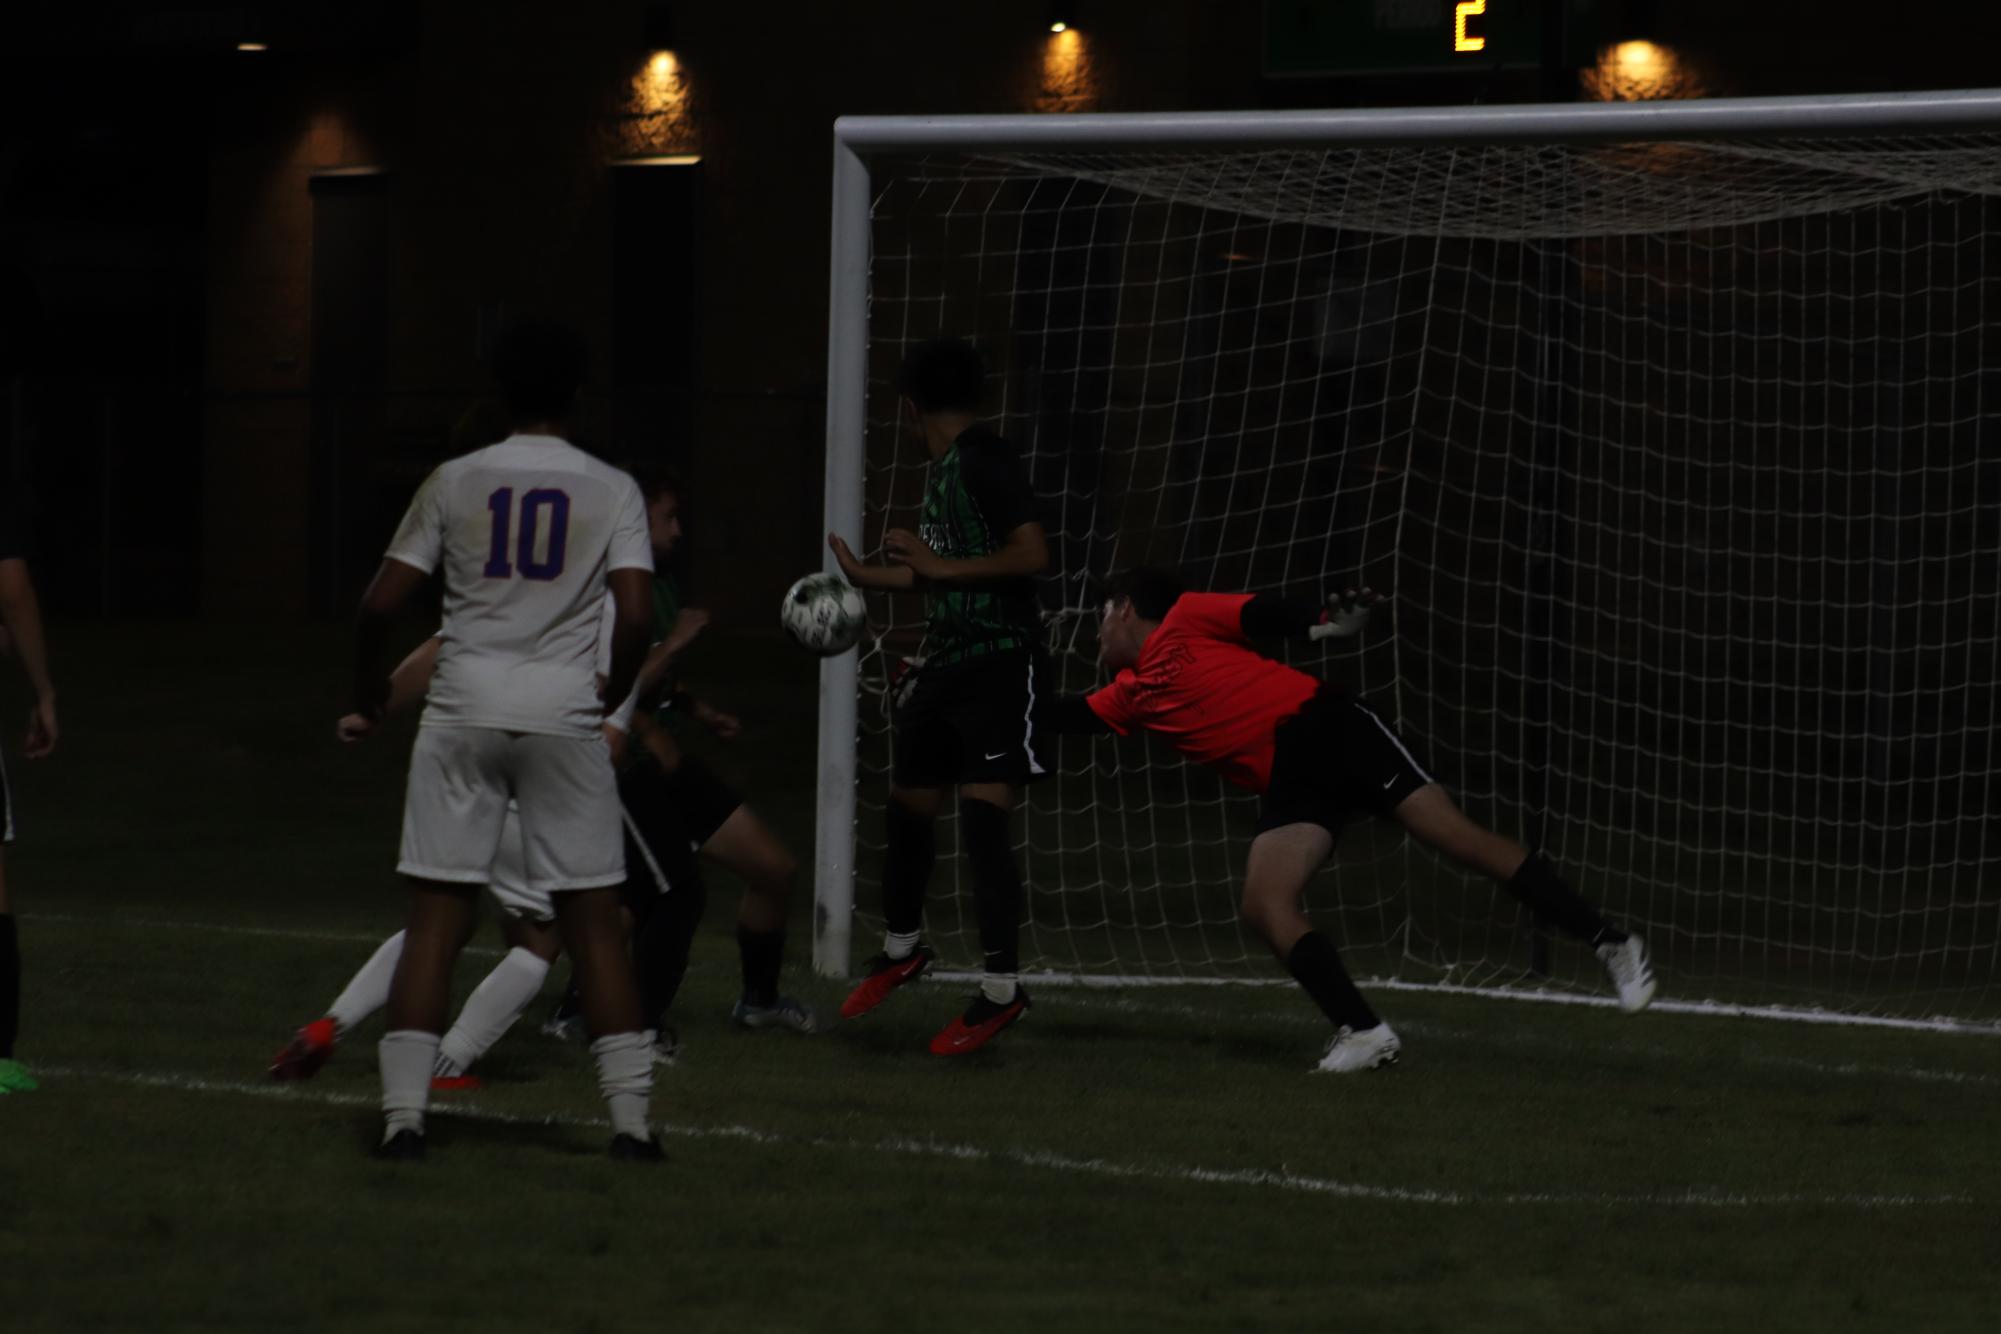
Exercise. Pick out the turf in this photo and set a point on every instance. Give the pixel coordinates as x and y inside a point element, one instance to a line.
<point>201,867</point>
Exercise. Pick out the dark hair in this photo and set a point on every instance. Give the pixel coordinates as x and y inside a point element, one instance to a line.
<point>656,480</point>
<point>539,366</point>
<point>943,374</point>
<point>1152,590</point>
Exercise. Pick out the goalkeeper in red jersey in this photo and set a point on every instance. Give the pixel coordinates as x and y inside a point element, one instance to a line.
<point>1183,667</point>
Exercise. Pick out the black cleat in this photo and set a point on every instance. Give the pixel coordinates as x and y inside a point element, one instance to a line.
<point>632,1149</point>
<point>405,1146</point>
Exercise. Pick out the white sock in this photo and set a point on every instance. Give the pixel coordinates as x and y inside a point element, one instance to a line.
<point>491,1010</point>
<point>368,990</point>
<point>406,1056</point>
<point>625,1077</point>
<point>899,947</point>
<point>999,987</point>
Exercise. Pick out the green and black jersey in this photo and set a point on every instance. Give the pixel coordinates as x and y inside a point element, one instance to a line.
<point>977,494</point>
<point>666,611</point>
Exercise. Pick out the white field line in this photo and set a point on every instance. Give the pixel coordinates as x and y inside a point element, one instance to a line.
<point>1089,981</point>
<point>1709,1008</point>
<point>1272,1178</point>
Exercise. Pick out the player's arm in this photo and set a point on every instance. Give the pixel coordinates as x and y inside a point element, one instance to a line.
<point>1110,708</point>
<point>886,578</point>
<point>1342,616</point>
<point>1024,552</point>
<point>632,627</point>
<point>998,484</point>
<point>21,613</point>
<point>394,585</point>
<point>408,685</point>
<point>1069,715</point>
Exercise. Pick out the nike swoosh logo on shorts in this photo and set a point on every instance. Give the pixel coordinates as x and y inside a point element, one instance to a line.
<point>1390,780</point>
<point>999,754</point>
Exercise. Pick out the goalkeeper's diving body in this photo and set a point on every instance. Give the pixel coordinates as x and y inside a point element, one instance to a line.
<point>1183,666</point>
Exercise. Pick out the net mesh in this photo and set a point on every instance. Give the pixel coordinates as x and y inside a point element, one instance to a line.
<point>1670,455</point>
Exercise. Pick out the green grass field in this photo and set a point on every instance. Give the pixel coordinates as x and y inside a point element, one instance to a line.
<point>200,868</point>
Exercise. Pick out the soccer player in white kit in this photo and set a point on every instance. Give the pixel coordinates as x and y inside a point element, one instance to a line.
<point>529,533</point>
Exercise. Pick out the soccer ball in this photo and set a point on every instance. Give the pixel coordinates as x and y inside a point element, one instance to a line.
<point>824,613</point>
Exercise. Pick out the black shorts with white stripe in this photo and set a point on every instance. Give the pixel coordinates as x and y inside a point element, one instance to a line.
<point>1333,759</point>
<point>970,721</point>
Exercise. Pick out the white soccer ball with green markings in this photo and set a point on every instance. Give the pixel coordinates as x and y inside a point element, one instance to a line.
<point>824,613</point>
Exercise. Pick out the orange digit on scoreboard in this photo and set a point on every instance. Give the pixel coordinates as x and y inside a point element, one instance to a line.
<point>1461,39</point>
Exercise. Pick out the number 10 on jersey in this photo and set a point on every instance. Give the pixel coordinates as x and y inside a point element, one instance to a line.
<point>543,505</point>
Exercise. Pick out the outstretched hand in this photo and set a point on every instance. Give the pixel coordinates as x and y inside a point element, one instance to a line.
<point>1348,613</point>
<point>353,727</point>
<point>844,557</point>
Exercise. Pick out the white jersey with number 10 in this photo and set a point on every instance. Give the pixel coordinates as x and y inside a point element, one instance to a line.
<point>527,531</point>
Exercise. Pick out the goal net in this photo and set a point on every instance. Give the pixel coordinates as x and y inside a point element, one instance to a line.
<point>1676,458</point>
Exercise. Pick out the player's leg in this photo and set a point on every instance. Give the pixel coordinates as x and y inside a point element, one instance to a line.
<point>13,1077</point>
<point>454,812</point>
<point>594,936</point>
<point>751,851</point>
<point>718,823</point>
<point>923,765</point>
<point>993,716</point>
<point>441,914</point>
<point>910,824</point>
<point>572,845</point>
<point>1387,777</point>
<point>365,993</point>
<point>1282,860</point>
<point>527,922</point>
<point>667,896</point>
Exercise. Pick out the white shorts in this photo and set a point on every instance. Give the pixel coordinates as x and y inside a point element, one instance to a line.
<point>455,808</point>
<point>507,878</point>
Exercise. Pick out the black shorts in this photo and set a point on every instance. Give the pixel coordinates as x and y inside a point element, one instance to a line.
<point>6,806</point>
<point>1335,757</point>
<point>970,721</point>
<point>668,817</point>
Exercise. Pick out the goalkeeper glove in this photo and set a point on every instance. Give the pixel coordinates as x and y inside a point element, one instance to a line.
<point>1347,614</point>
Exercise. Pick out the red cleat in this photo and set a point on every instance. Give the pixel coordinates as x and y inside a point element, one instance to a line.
<point>884,976</point>
<point>979,1025</point>
<point>306,1052</point>
<point>456,1083</point>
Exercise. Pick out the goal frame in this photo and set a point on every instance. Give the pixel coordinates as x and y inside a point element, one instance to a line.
<point>858,139</point>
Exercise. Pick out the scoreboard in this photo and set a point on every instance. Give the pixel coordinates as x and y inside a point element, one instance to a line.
<point>1317,38</point>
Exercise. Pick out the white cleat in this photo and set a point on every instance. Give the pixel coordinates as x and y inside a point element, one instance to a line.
<point>1351,1051</point>
<point>1632,973</point>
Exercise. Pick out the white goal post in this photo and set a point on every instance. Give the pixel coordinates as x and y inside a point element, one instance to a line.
<point>1666,425</point>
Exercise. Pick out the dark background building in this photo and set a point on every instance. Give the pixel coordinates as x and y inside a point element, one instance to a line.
<point>250,255</point>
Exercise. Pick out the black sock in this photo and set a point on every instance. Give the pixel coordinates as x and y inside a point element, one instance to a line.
<point>660,949</point>
<point>996,883</point>
<point>1539,886</point>
<point>906,870</point>
<point>10,986</point>
<point>1316,965</point>
<point>761,952</point>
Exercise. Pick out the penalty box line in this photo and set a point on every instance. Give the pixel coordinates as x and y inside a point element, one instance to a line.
<point>1173,1174</point>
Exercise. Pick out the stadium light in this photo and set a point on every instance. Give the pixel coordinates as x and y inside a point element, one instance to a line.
<point>1062,15</point>
<point>252,46</point>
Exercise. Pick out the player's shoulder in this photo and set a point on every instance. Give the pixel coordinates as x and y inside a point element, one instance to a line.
<point>984,444</point>
<point>543,453</point>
